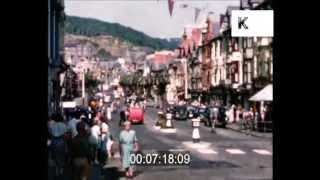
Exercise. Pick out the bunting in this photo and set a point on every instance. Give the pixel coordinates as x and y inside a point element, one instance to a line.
<point>171,5</point>
<point>196,14</point>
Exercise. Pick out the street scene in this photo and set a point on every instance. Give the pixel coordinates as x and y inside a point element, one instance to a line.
<point>170,95</point>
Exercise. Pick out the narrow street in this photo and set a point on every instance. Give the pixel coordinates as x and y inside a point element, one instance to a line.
<point>230,155</point>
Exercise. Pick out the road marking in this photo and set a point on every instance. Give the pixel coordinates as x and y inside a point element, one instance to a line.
<point>177,150</point>
<point>262,151</point>
<point>170,130</point>
<point>200,145</point>
<point>207,151</point>
<point>235,151</point>
<point>156,127</point>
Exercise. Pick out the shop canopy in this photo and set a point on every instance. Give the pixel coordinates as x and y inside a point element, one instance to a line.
<point>266,94</point>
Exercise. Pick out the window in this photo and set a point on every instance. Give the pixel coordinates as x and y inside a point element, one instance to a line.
<point>230,47</point>
<point>249,42</point>
<point>245,42</point>
<point>249,66</point>
<point>263,68</point>
<point>235,44</point>
<point>255,67</point>
<point>228,71</point>
<point>235,72</point>
<point>245,72</point>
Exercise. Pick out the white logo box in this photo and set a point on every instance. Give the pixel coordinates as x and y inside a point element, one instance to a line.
<point>259,23</point>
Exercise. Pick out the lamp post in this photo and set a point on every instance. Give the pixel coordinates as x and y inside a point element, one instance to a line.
<point>195,132</point>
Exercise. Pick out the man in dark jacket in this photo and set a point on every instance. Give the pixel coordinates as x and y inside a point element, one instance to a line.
<point>80,153</point>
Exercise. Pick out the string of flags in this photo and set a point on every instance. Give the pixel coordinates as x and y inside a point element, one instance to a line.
<point>197,10</point>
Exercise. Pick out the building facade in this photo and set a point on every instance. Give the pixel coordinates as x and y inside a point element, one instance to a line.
<point>56,65</point>
<point>239,66</point>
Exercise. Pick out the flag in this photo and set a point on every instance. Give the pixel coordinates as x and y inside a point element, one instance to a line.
<point>196,14</point>
<point>171,4</point>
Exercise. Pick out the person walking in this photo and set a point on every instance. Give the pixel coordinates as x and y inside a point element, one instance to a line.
<point>103,153</point>
<point>109,113</point>
<point>94,139</point>
<point>72,124</point>
<point>123,115</point>
<point>128,144</point>
<point>57,131</point>
<point>80,153</point>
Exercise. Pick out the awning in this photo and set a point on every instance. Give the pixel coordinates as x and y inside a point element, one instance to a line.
<point>266,94</point>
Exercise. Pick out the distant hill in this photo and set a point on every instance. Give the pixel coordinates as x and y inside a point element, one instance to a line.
<point>93,27</point>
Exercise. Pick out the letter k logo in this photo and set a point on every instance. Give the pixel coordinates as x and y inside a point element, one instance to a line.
<point>241,22</point>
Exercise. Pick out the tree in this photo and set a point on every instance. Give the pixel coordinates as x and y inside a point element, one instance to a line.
<point>91,83</point>
<point>79,26</point>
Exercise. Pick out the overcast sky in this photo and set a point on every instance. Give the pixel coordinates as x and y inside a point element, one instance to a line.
<point>149,16</point>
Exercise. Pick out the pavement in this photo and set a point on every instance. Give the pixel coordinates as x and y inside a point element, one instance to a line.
<point>224,155</point>
<point>235,127</point>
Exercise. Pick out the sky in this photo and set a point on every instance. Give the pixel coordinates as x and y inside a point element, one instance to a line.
<point>149,16</point>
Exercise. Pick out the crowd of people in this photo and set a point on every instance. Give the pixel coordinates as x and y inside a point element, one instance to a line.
<point>81,145</point>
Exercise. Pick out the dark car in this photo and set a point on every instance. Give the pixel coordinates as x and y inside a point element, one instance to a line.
<point>180,112</point>
<point>193,111</point>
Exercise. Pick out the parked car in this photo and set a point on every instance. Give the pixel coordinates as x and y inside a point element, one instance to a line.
<point>180,112</point>
<point>136,115</point>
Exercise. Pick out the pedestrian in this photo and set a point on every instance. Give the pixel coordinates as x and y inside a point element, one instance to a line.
<point>72,124</point>
<point>123,115</point>
<point>80,153</point>
<point>109,113</point>
<point>128,144</point>
<point>103,150</point>
<point>94,139</point>
<point>57,131</point>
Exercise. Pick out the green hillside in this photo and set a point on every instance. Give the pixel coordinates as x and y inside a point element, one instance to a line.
<point>93,27</point>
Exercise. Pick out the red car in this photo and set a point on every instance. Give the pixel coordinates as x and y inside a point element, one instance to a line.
<point>136,115</point>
